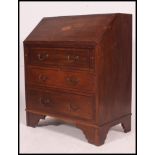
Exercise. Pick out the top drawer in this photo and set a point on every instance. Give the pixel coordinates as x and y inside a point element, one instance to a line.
<point>61,58</point>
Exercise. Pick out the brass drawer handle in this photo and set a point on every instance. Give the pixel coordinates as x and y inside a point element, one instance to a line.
<point>72,58</point>
<point>42,78</point>
<point>73,108</point>
<point>42,57</point>
<point>46,101</point>
<point>72,80</point>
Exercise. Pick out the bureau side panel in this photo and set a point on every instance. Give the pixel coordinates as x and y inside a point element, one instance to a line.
<point>25,69</point>
<point>115,70</point>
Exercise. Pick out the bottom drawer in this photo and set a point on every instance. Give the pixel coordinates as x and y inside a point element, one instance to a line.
<point>61,103</point>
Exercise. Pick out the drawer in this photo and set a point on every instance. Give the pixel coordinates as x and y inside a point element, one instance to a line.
<point>51,102</point>
<point>82,81</point>
<point>61,57</point>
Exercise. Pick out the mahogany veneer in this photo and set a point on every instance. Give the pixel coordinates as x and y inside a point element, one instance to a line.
<point>79,69</point>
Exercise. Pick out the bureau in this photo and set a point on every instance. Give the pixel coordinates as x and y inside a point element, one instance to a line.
<point>79,69</point>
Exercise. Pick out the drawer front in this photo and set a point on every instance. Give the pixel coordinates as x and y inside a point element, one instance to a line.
<point>61,103</point>
<point>61,79</point>
<point>63,58</point>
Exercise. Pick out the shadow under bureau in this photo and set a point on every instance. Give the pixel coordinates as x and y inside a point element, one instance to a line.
<point>79,69</point>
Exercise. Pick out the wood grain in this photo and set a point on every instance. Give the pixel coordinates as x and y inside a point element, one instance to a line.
<point>79,69</point>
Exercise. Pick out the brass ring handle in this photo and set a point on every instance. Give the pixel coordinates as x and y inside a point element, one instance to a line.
<point>45,101</point>
<point>42,77</point>
<point>72,80</point>
<point>42,57</point>
<point>69,58</point>
<point>77,57</point>
<point>72,58</point>
<point>73,107</point>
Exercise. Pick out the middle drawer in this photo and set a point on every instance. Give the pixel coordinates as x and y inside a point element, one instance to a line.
<point>61,79</point>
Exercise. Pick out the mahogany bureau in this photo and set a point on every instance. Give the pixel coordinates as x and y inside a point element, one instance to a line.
<point>79,69</point>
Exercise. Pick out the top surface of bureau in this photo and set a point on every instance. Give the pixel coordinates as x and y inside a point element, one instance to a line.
<point>85,28</point>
